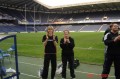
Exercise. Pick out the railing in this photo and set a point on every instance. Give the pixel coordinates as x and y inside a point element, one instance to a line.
<point>73,22</point>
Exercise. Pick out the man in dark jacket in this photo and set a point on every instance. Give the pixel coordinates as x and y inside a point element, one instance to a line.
<point>106,31</point>
<point>67,45</point>
<point>112,41</point>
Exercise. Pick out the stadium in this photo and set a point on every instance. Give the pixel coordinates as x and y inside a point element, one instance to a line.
<point>28,20</point>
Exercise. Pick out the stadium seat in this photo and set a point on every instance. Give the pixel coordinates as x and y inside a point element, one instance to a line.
<point>3,71</point>
<point>11,50</point>
<point>5,55</point>
<point>1,59</point>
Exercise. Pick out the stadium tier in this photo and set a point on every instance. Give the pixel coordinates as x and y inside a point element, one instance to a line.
<point>5,28</point>
<point>32,17</point>
<point>37,21</point>
<point>91,27</point>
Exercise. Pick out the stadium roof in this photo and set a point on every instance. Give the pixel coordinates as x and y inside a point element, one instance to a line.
<point>51,4</point>
<point>32,5</point>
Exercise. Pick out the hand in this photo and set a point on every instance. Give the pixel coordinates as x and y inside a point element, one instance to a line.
<point>46,36</point>
<point>53,37</point>
<point>65,40</point>
<point>117,38</point>
<point>68,41</point>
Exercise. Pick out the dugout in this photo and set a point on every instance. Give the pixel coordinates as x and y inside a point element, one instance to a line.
<point>8,64</point>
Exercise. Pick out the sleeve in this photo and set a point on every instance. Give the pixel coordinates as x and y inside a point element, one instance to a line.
<point>44,38</point>
<point>106,31</point>
<point>67,46</point>
<point>62,45</point>
<point>108,40</point>
<point>56,38</point>
<point>71,45</point>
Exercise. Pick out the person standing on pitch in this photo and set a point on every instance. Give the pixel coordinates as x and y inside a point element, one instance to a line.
<point>106,31</point>
<point>50,41</point>
<point>67,45</point>
<point>112,41</point>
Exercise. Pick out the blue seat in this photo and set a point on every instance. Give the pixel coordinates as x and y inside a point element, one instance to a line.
<point>3,71</point>
<point>4,54</point>
<point>1,58</point>
<point>11,50</point>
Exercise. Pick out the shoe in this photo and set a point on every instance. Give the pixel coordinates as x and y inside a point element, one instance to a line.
<point>117,77</point>
<point>10,70</point>
<point>73,78</point>
<point>43,78</point>
<point>63,78</point>
<point>53,78</point>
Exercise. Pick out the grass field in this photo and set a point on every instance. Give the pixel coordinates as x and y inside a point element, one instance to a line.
<point>89,47</point>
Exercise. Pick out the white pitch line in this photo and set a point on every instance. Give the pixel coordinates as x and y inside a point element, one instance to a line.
<point>30,75</point>
<point>91,73</point>
<point>30,64</point>
<point>67,69</point>
<point>58,46</point>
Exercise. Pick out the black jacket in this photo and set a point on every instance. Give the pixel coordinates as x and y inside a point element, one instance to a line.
<point>67,49</point>
<point>106,31</point>
<point>113,48</point>
<point>50,48</point>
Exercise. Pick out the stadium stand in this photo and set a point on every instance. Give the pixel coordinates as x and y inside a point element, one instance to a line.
<point>33,21</point>
<point>75,27</point>
<point>48,18</point>
<point>91,28</point>
<point>40,28</point>
<point>11,28</point>
<point>104,26</point>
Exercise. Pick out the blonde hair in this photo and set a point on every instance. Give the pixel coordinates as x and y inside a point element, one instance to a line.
<point>50,28</point>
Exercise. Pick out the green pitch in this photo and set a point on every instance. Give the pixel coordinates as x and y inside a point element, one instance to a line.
<point>89,47</point>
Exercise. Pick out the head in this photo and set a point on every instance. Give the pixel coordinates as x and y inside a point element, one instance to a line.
<point>114,27</point>
<point>50,30</point>
<point>66,34</point>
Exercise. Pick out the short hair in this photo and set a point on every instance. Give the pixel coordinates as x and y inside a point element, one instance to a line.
<point>112,24</point>
<point>67,31</point>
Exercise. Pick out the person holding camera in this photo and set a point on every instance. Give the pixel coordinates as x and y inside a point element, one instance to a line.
<point>50,41</point>
<point>67,45</point>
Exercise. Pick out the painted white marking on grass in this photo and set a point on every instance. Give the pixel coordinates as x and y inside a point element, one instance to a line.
<point>67,69</point>
<point>89,48</point>
<point>30,64</point>
<point>30,75</point>
<point>91,73</point>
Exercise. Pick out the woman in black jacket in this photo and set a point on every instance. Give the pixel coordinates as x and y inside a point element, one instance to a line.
<point>67,45</point>
<point>50,41</point>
